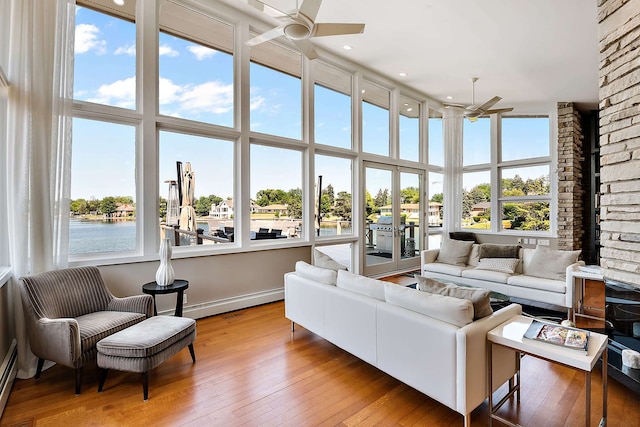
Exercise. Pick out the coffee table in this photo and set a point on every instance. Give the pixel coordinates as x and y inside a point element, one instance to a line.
<point>511,335</point>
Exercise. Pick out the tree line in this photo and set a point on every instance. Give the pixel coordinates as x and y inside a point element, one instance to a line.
<point>532,216</point>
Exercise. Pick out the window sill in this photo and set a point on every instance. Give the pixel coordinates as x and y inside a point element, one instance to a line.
<point>5,275</point>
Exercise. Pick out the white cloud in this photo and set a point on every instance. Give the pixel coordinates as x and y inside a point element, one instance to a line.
<point>87,39</point>
<point>166,50</point>
<point>121,93</point>
<point>201,52</point>
<point>169,91</point>
<point>256,102</point>
<point>213,97</point>
<point>126,50</point>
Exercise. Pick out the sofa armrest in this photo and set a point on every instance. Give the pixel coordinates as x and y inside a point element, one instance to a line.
<point>142,304</point>
<point>471,359</point>
<point>428,256</point>
<point>57,340</point>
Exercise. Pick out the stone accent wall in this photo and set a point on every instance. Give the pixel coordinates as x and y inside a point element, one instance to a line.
<point>619,45</point>
<point>570,191</point>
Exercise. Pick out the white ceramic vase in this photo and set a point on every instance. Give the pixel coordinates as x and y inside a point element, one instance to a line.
<point>165,274</point>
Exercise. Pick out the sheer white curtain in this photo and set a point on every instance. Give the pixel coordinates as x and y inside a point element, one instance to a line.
<point>452,123</point>
<point>38,141</point>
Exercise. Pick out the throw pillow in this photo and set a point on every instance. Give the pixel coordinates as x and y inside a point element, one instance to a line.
<point>480,298</point>
<point>488,250</point>
<point>504,265</point>
<point>463,235</point>
<point>458,312</point>
<point>454,252</point>
<point>322,260</point>
<point>551,263</point>
<point>361,284</point>
<point>322,275</point>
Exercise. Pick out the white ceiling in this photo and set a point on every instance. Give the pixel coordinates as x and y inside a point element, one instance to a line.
<point>532,53</point>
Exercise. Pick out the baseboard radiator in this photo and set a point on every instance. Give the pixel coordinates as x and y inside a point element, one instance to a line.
<point>8,372</point>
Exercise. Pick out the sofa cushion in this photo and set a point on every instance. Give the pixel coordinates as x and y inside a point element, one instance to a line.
<point>551,263</point>
<point>487,275</point>
<point>488,250</point>
<point>322,275</point>
<point>361,284</point>
<point>480,298</point>
<point>505,265</point>
<point>456,311</point>
<point>532,282</point>
<point>474,255</point>
<point>322,260</point>
<point>455,252</point>
<point>439,267</point>
<point>466,236</point>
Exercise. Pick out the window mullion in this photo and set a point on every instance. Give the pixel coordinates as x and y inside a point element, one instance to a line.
<point>147,189</point>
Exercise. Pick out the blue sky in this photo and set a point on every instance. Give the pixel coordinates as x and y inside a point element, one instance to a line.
<point>196,83</point>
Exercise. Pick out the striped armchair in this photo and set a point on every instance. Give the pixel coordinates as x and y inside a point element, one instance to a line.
<point>68,311</point>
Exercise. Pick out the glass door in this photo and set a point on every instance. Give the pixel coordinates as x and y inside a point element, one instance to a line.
<point>393,216</point>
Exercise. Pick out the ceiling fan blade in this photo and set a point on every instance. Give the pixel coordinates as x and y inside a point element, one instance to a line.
<point>256,4</point>
<point>489,104</point>
<point>321,30</point>
<point>269,35</point>
<point>306,47</point>
<point>310,8</point>
<point>449,104</point>
<point>499,110</point>
<point>267,9</point>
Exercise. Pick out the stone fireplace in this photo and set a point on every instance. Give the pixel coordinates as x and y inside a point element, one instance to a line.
<point>619,35</point>
<point>619,47</point>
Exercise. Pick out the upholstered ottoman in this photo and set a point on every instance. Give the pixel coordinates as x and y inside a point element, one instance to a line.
<point>145,345</point>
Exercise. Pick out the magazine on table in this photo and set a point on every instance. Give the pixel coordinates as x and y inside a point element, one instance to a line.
<point>564,336</point>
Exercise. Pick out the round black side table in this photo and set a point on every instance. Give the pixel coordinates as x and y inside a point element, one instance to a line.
<point>178,286</point>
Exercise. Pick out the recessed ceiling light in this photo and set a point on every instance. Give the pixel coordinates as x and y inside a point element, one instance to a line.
<point>363,91</point>
<point>119,2</point>
<point>406,105</point>
<point>347,47</point>
<point>409,109</point>
<point>403,74</point>
<point>449,97</point>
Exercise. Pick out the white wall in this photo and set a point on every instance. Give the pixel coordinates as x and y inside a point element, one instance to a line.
<point>217,283</point>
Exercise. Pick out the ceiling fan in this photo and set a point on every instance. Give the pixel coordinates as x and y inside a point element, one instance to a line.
<point>473,111</point>
<point>299,26</point>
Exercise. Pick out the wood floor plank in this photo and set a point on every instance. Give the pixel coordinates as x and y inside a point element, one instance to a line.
<point>251,371</point>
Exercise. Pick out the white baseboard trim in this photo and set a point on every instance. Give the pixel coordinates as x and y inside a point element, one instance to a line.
<point>8,372</point>
<point>198,311</point>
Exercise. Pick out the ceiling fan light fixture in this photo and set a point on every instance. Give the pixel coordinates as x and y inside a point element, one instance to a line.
<point>297,31</point>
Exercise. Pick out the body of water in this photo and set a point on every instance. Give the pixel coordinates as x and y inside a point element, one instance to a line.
<point>90,236</point>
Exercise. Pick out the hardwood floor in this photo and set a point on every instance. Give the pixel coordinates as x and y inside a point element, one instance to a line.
<point>252,371</point>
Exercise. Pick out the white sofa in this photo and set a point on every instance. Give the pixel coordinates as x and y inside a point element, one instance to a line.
<point>529,281</point>
<point>445,361</point>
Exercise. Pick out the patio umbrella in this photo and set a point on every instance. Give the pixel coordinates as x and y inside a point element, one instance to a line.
<point>187,212</point>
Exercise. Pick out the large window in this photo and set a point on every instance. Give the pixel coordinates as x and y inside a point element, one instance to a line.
<point>332,106</point>
<point>522,170</point>
<point>196,73</point>
<point>375,119</point>
<point>524,137</point>
<point>477,142</point>
<point>409,121</point>
<point>103,188</point>
<point>276,91</point>
<point>333,184</point>
<point>276,188</point>
<point>105,59</point>
<point>212,163</point>
<point>436,139</point>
